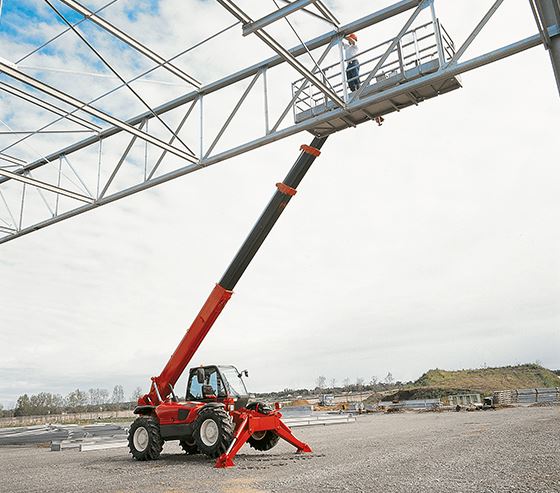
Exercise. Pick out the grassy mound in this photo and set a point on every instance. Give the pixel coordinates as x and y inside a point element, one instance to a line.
<point>438,383</point>
<point>489,379</point>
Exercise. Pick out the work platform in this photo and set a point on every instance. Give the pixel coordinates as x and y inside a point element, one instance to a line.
<point>419,52</point>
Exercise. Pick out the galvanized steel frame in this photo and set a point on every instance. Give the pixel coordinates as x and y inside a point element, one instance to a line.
<point>549,34</point>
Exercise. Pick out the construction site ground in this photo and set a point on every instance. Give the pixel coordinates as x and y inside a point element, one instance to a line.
<point>507,450</point>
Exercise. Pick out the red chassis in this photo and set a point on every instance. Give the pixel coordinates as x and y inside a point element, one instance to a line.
<point>248,422</point>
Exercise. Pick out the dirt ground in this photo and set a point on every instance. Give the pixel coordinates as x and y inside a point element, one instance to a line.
<point>510,450</point>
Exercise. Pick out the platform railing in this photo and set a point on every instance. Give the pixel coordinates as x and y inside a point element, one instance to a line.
<point>415,48</point>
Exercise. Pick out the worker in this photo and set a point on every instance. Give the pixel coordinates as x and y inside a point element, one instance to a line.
<point>350,44</point>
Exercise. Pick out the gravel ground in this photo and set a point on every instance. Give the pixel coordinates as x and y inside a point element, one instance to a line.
<point>511,450</point>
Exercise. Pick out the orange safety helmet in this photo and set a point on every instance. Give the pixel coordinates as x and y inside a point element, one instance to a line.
<point>352,36</point>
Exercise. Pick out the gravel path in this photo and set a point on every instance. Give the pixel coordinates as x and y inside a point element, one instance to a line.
<point>511,450</point>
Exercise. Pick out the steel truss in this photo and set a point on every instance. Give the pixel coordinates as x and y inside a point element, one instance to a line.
<point>82,175</point>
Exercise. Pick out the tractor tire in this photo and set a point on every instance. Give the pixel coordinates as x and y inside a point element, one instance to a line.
<point>263,440</point>
<point>189,446</point>
<point>260,407</point>
<point>213,431</point>
<point>144,439</point>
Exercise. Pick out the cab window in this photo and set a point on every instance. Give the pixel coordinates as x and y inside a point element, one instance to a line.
<point>195,389</point>
<point>212,379</point>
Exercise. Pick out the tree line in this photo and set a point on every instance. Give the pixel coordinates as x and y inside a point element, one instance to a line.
<point>374,383</point>
<point>325,385</point>
<point>94,399</point>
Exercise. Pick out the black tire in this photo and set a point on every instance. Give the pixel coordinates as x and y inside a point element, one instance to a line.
<point>144,439</point>
<point>263,440</point>
<point>260,407</point>
<point>213,431</point>
<point>189,446</point>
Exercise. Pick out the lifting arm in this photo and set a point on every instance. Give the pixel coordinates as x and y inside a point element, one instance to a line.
<point>161,385</point>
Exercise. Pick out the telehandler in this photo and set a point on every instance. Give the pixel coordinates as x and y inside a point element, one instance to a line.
<point>216,418</point>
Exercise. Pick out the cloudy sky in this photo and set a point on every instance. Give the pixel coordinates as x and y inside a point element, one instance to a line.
<point>429,242</point>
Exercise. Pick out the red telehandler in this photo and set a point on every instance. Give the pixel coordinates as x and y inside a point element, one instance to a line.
<point>216,418</point>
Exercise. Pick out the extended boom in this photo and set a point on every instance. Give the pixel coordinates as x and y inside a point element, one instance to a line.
<point>162,385</point>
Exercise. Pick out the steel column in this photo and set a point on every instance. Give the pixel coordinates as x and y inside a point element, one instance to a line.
<point>550,16</point>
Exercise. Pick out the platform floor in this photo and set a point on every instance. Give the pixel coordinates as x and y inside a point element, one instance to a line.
<point>385,106</point>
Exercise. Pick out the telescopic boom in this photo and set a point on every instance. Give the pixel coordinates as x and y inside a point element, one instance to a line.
<point>162,385</point>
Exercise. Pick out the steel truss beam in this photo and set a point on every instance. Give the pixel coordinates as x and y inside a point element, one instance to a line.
<point>319,124</point>
<point>440,76</point>
<point>129,40</point>
<point>318,42</point>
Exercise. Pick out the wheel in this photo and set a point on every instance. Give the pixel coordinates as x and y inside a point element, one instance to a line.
<point>263,440</point>
<point>189,446</point>
<point>144,439</point>
<point>260,407</point>
<point>213,431</point>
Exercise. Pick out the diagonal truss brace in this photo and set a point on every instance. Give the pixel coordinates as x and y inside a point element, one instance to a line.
<point>251,27</point>
<point>129,40</point>
<point>47,106</point>
<point>11,159</point>
<point>321,7</point>
<point>390,49</point>
<point>230,6</point>
<point>296,95</point>
<point>326,16</point>
<point>232,114</point>
<point>45,186</point>
<point>66,98</point>
<point>459,53</point>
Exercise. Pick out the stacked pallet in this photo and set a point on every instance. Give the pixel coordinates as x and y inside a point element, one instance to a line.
<point>527,396</point>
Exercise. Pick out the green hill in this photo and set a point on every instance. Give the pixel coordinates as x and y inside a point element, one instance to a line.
<point>489,379</point>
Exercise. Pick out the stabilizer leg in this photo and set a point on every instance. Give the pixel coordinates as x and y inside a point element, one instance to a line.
<point>285,433</point>
<point>240,438</point>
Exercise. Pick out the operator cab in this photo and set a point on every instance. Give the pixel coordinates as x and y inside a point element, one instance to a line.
<point>216,384</point>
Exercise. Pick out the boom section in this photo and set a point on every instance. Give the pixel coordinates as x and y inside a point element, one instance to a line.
<point>162,385</point>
